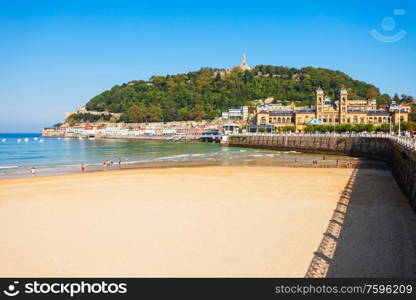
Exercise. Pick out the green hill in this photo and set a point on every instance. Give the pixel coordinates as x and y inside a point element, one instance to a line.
<point>204,93</point>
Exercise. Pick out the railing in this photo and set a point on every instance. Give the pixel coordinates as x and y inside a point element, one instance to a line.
<point>408,143</point>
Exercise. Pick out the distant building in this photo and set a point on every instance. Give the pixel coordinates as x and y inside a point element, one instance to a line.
<point>240,113</point>
<point>83,110</point>
<point>276,106</point>
<point>244,66</point>
<point>328,112</point>
<point>404,107</point>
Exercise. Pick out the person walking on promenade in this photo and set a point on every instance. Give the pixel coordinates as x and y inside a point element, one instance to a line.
<point>33,171</point>
<point>82,168</point>
<point>337,163</point>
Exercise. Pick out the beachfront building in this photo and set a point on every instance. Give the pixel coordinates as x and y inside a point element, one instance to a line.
<point>329,112</point>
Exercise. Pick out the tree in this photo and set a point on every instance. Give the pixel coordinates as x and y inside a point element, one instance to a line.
<point>137,114</point>
<point>155,113</point>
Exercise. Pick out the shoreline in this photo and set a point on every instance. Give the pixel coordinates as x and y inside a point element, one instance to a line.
<point>324,164</point>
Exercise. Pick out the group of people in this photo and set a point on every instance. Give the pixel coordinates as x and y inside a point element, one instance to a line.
<point>349,163</point>
<point>109,164</point>
<point>106,164</point>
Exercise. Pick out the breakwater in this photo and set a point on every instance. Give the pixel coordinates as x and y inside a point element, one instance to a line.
<point>398,152</point>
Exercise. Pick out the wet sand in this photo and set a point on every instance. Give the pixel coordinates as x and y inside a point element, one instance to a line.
<point>178,222</point>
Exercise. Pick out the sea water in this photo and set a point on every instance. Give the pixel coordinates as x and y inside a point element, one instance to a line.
<point>22,151</point>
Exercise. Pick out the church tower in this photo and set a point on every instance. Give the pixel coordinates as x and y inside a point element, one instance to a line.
<point>244,65</point>
<point>343,104</point>
<point>319,103</point>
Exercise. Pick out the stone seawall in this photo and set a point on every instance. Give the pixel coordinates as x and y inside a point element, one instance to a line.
<point>401,161</point>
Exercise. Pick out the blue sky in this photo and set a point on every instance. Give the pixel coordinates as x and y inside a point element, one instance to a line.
<point>56,55</point>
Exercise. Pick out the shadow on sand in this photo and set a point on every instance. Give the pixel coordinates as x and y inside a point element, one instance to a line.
<point>371,232</point>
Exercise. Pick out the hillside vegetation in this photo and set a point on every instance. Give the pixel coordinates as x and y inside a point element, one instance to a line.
<point>205,93</point>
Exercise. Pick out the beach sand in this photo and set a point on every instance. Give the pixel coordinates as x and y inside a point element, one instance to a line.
<point>194,222</point>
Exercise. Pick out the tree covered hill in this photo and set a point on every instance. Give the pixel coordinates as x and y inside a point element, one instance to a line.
<point>204,93</point>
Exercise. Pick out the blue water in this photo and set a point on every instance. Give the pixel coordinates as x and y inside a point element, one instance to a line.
<point>20,152</point>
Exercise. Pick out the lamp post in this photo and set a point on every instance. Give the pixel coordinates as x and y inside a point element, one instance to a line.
<point>390,124</point>
<point>399,119</point>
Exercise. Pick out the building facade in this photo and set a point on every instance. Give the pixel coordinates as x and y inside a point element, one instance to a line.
<point>327,112</point>
<point>240,113</point>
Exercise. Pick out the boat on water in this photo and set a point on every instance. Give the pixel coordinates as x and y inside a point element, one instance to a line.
<point>3,140</point>
<point>91,137</point>
<point>19,140</point>
<point>41,141</point>
<point>35,138</point>
<point>26,140</point>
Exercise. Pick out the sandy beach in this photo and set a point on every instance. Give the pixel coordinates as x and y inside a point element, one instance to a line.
<point>206,222</point>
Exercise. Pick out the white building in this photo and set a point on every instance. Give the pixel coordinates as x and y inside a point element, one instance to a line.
<point>240,113</point>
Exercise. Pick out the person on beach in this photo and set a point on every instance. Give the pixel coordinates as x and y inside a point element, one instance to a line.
<point>296,160</point>
<point>119,163</point>
<point>337,162</point>
<point>82,168</point>
<point>33,171</point>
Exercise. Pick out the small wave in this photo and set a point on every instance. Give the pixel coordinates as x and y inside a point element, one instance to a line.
<point>8,167</point>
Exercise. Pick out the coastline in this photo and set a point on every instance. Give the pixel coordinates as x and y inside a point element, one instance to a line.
<point>324,164</point>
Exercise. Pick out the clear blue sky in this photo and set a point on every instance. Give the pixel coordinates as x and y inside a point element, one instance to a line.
<point>56,55</point>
